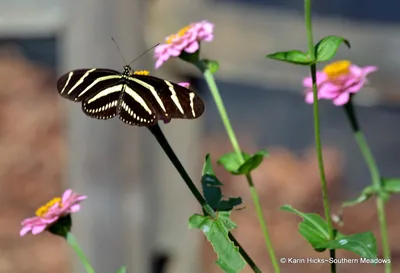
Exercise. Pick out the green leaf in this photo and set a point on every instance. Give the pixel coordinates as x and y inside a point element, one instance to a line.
<point>229,204</point>
<point>252,163</point>
<point>216,231</point>
<point>233,165</point>
<point>293,56</point>
<point>363,244</point>
<point>207,167</point>
<point>327,47</point>
<point>315,230</point>
<point>231,161</point>
<point>212,189</point>
<point>122,270</point>
<point>391,185</point>
<point>367,193</point>
<point>212,65</point>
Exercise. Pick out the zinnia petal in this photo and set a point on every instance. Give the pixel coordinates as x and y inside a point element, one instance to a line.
<point>25,230</point>
<point>354,85</point>
<point>38,229</point>
<point>67,194</point>
<point>321,77</point>
<point>192,48</point>
<point>75,208</point>
<point>310,97</point>
<point>159,63</point>
<point>184,84</point>
<point>342,99</point>
<point>329,90</point>
<point>369,69</point>
<point>176,50</point>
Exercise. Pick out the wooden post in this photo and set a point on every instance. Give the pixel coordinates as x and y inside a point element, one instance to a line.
<point>104,156</point>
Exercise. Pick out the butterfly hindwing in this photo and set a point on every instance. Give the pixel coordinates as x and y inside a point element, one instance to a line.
<point>135,109</point>
<point>104,104</point>
<point>169,99</point>
<point>77,85</point>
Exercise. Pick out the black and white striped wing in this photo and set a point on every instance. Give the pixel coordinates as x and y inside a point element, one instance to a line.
<point>77,85</point>
<point>135,109</point>
<point>169,99</point>
<point>104,103</point>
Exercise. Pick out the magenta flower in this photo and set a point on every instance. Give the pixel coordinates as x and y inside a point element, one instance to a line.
<point>337,81</point>
<point>187,39</point>
<point>49,213</point>
<point>184,84</point>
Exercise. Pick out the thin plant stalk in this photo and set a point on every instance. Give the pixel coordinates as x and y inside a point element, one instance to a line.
<point>75,246</point>
<point>375,177</point>
<point>313,68</point>
<point>158,134</point>
<point>235,144</point>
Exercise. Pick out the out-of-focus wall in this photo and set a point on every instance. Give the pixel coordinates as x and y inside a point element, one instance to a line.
<point>245,33</point>
<point>31,18</point>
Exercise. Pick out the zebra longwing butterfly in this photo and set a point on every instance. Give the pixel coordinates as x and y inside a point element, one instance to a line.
<point>140,100</point>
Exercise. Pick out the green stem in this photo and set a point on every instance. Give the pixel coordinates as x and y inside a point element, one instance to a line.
<point>313,68</point>
<point>235,144</point>
<point>158,134</point>
<point>375,177</point>
<point>75,246</point>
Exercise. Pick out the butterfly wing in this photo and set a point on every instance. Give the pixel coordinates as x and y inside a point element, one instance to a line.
<point>80,84</point>
<point>169,99</point>
<point>104,104</point>
<point>135,109</point>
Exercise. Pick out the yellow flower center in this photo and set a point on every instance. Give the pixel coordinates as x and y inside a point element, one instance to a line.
<point>180,33</point>
<point>337,69</point>
<point>141,72</point>
<point>45,208</point>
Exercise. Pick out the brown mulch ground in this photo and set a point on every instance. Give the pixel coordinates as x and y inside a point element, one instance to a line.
<point>285,178</point>
<point>32,156</point>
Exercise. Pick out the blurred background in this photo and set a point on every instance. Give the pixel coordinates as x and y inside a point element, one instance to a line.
<point>138,206</point>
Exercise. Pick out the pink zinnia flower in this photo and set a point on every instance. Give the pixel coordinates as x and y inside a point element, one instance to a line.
<point>337,81</point>
<point>184,84</point>
<point>187,39</point>
<point>49,213</point>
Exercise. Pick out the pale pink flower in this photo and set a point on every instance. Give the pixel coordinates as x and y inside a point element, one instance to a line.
<point>49,213</point>
<point>184,84</point>
<point>187,39</point>
<point>337,81</point>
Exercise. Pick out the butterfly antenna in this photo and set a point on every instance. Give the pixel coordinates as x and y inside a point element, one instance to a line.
<point>144,53</point>
<point>119,50</point>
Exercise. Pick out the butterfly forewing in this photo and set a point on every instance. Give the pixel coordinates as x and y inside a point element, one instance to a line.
<point>169,99</point>
<point>80,84</point>
<point>135,109</point>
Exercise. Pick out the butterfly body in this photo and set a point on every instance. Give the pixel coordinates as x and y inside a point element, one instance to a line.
<point>139,100</point>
